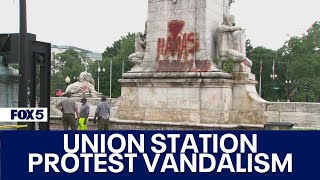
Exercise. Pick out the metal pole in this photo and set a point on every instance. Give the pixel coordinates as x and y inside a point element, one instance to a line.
<point>122,68</point>
<point>22,102</point>
<point>288,89</point>
<point>260,78</point>
<point>273,90</point>
<point>287,80</point>
<point>98,81</point>
<point>45,86</point>
<point>24,66</point>
<point>110,79</point>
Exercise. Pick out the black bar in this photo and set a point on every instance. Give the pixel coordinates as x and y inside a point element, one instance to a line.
<point>23,60</point>
<point>33,82</point>
<point>45,73</point>
<point>23,55</point>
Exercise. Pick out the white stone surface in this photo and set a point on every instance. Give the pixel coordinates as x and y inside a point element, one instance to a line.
<point>176,100</point>
<point>301,114</point>
<point>199,16</point>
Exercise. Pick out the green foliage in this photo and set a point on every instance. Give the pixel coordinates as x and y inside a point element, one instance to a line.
<point>298,60</point>
<point>226,65</point>
<point>118,53</point>
<point>70,64</point>
<point>302,56</point>
<point>267,56</point>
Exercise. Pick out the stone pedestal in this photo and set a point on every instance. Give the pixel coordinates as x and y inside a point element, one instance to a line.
<point>193,99</point>
<point>178,81</point>
<point>247,106</point>
<point>198,98</point>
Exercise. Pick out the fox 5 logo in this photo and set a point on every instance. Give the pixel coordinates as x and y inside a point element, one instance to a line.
<point>24,114</point>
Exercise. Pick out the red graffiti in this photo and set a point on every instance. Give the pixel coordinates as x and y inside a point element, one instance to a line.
<point>175,28</point>
<point>85,88</point>
<point>178,46</point>
<point>176,66</point>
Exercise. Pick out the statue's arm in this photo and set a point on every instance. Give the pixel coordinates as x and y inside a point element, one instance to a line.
<point>224,28</point>
<point>59,105</point>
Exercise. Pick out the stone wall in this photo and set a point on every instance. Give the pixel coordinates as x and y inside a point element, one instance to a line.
<point>150,125</point>
<point>92,102</point>
<point>55,124</point>
<point>302,114</point>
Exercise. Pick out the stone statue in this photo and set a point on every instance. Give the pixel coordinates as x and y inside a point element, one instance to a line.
<point>231,44</point>
<point>85,86</point>
<point>140,49</point>
<point>174,1</point>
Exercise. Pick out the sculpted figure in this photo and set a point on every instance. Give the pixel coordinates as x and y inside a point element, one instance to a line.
<point>140,49</point>
<point>231,44</point>
<point>85,85</point>
<point>174,1</point>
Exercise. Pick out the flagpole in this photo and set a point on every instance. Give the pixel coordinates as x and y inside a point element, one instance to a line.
<point>273,69</point>
<point>273,77</point>
<point>110,81</point>
<point>260,85</point>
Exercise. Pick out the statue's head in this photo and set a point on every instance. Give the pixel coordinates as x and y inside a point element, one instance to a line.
<point>68,94</point>
<point>85,76</point>
<point>229,20</point>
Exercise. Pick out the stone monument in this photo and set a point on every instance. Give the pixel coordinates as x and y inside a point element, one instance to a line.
<point>175,79</point>
<point>231,44</point>
<point>84,87</point>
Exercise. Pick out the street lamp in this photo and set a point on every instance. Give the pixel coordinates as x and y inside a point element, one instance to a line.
<point>273,76</point>
<point>67,80</point>
<point>288,83</point>
<point>99,70</point>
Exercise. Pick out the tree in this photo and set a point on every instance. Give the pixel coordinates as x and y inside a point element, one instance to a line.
<point>70,64</point>
<point>249,47</point>
<point>297,61</point>
<point>267,56</point>
<point>118,53</point>
<point>302,56</point>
